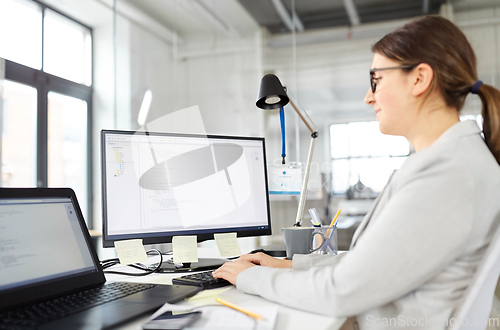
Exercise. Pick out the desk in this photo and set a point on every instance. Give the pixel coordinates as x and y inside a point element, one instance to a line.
<point>288,318</point>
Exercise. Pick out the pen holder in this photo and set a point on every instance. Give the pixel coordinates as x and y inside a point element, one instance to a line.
<point>331,244</point>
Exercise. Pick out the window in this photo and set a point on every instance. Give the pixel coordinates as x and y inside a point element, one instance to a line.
<point>25,45</point>
<point>67,144</point>
<point>46,100</point>
<point>18,133</point>
<point>67,49</point>
<point>361,153</point>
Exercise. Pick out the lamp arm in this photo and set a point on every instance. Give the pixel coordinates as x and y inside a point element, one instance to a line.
<point>302,118</point>
<point>303,193</point>
<point>302,113</point>
<point>314,135</point>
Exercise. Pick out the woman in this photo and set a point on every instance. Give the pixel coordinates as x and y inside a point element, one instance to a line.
<point>415,252</point>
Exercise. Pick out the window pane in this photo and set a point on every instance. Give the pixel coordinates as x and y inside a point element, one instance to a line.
<point>389,145</point>
<point>18,132</point>
<point>361,152</point>
<point>21,32</point>
<point>374,172</point>
<point>363,139</point>
<point>340,176</point>
<point>67,145</point>
<point>339,142</point>
<point>67,49</point>
<point>359,136</point>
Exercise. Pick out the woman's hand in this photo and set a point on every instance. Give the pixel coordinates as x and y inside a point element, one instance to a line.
<point>230,270</point>
<point>263,259</point>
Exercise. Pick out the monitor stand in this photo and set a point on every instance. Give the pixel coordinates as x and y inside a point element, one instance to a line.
<point>201,265</point>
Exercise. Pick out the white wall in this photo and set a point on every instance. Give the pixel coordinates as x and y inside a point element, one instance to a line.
<point>222,77</point>
<point>330,79</point>
<point>221,72</point>
<point>202,66</point>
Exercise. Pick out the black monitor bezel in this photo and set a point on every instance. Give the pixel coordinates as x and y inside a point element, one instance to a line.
<point>108,240</point>
<point>30,293</point>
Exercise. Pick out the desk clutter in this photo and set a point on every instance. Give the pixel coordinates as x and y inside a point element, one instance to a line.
<point>184,249</point>
<point>225,308</point>
<point>49,262</point>
<point>56,260</point>
<point>182,258</point>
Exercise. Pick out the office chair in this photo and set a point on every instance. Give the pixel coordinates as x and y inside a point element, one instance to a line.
<point>474,311</point>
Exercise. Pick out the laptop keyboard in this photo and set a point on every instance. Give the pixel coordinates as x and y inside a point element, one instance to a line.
<point>63,306</point>
<point>203,279</point>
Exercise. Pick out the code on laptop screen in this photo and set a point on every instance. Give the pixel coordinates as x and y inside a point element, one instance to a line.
<point>40,239</point>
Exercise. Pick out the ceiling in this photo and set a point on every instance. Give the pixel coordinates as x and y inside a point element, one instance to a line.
<point>314,14</point>
<point>242,17</point>
<point>320,20</point>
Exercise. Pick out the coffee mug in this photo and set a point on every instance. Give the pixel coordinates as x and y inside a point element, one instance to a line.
<point>299,240</point>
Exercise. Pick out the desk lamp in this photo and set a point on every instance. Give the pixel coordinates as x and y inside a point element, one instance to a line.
<point>273,95</point>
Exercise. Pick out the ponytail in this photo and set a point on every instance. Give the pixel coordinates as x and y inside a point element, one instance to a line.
<point>490,97</point>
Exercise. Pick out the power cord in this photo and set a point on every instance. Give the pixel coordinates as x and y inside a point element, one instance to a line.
<point>147,270</point>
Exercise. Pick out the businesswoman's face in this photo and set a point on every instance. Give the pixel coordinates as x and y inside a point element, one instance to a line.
<point>392,99</point>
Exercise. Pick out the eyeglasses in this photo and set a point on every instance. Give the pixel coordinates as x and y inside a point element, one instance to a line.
<point>373,83</point>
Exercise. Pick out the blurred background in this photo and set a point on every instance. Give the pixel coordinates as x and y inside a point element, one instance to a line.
<point>73,68</point>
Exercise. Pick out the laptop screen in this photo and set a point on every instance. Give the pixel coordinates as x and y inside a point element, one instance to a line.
<point>40,239</point>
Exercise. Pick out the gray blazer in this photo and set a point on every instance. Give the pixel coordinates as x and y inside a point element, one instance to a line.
<point>414,253</point>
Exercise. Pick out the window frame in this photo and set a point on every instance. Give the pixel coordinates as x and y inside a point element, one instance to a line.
<point>348,158</point>
<point>44,83</point>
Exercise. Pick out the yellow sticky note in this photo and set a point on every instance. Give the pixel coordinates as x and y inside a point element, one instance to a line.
<point>184,249</point>
<point>228,245</point>
<point>131,251</point>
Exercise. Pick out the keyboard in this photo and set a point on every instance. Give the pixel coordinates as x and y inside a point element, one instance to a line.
<point>203,279</point>
<point>57,308</point>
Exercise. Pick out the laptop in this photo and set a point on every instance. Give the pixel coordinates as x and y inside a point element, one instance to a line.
<point>47,258</point>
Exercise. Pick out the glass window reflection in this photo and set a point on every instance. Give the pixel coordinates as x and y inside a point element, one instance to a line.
<point>21,32</point>
<point>67,145</point>
<point>360,153</point>
<point>67,49</point>
<point>18,135</point>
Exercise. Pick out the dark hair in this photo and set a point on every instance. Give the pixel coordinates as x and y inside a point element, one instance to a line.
<point>440,43</point>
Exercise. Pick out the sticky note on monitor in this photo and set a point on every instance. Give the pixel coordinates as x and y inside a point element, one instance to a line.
<point>131,251</point>
<point>185,249</point>
<point>228,245</point>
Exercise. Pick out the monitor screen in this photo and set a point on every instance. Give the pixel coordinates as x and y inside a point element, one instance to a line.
<point>159,185</point>
<point>27,224</point>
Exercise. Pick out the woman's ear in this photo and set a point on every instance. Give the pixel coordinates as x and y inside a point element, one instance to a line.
<point>421,79</point>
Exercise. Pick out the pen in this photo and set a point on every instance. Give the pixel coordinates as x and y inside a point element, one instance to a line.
<point>334,221</point>
<point>239,309</point>
<point>328,238</point>
<point>330,231</point>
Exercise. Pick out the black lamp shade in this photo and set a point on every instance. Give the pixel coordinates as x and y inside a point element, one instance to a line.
<point>270,87</point>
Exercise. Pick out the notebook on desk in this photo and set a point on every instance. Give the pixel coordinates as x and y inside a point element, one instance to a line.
<point>47,259</point>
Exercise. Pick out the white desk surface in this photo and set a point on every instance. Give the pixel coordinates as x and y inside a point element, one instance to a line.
<point>288,318</point>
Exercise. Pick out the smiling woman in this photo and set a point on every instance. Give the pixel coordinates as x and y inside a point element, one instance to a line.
<point>416,251</point>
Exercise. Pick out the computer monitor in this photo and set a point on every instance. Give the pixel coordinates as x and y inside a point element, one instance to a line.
<point>159,185</point>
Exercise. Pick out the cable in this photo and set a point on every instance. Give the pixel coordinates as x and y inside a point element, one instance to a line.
<point>147,270</point>
<point>282,121</point>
